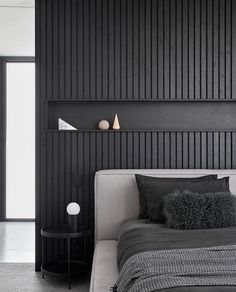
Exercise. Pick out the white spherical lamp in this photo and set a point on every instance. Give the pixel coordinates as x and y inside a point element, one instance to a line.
<point>73,210</point>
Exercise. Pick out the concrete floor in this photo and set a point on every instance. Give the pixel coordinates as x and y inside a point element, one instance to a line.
<point>17,242</point>
<point>17,257</point>
<point>22,278</point>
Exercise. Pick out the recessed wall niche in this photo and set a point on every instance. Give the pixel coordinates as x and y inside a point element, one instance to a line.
<point>85,115</point>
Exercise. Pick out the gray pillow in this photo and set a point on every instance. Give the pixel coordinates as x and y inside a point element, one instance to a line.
<point>161,186</point>
<point>155,189</point>
<point>188,210</point>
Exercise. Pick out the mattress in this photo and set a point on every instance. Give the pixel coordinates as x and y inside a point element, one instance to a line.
<point>105,271</point>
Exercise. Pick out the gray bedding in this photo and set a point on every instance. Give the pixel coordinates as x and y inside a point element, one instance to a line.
<point>139,237</point>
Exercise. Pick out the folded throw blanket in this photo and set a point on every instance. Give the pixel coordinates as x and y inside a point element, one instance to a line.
<point>153,254</point>
<point>161,269</point>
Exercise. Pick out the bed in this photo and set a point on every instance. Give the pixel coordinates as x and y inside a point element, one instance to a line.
<point>116,201</point>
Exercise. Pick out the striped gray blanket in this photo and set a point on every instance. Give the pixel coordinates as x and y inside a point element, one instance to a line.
<point>161,269</point>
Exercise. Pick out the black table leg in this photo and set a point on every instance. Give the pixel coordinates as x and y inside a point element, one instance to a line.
<point>42,257</point>
<point>68,252</point>
<point>84,255</point>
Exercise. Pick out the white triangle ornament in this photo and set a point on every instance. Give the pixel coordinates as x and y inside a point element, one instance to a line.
<point>116,124</point>
<point>62,125</point>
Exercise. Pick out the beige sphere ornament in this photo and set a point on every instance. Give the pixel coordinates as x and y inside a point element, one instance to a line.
<point>103,125</point>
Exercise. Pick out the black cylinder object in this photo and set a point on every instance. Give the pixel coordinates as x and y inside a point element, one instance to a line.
<point>73,224</point>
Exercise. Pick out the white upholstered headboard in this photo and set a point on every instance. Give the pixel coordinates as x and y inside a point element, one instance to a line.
<point>116,195</point>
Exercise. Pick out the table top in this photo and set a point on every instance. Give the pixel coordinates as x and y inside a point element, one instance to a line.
<point>64,231</point>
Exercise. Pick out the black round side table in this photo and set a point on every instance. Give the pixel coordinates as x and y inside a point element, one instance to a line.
<point>65,268</point>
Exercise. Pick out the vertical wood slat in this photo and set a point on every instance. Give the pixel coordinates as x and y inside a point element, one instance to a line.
<point>148,50</point>
<point>61,48</point>
<point>233,48</point>
<point>49,50</point>
<point>105,50</point>
<point>92,49</point>
<point>139,49</point>
<point>203,49</point>
<point>128,49</point>
<point>123,48</point>
<point>166,49</point>
<point>80,49</point>
<point>215,51</point>
<point>111,48</point>
<point>74,48</point>
<point>173,49</point>
<point>55,48</point>
<point>129,60</point>
<point>191,46</point>
<point>68,48</point>
<point>160,48</point>
<point>86,48</point>
<point>209,55</point>
<point>154,49</point>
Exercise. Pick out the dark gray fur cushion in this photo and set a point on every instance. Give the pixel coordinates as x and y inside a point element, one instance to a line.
<point>188,210</point>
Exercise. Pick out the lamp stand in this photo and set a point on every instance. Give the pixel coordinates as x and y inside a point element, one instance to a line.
<point>73,224</point>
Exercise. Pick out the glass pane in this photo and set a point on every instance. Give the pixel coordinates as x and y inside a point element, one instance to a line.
<point>20,164</point>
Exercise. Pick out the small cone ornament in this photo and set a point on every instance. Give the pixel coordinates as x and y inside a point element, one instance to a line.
<point>116,124</point>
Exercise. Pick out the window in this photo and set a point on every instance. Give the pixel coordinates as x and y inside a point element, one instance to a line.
<point>20,140</point>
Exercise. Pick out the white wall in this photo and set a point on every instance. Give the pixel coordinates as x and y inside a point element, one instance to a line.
<point>17,31</point>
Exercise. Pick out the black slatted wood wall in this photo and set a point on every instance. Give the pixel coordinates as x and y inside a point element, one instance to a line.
<point>138,49</point>
<point>128,50</point>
